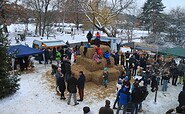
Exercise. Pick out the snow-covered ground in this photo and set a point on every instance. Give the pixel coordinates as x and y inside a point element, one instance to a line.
<point>37,96</point>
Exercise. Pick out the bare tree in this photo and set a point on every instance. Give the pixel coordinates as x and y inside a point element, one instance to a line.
<point>176,26</point>
<point>101,12</point>
<point>42,9</point>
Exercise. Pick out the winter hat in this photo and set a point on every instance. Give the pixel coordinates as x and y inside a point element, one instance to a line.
<point>120,81</point>
<point>126,78</point>
<point>86,109</point>
<point>107,102</point>
<point>105,69</point>
<point>141,84</point>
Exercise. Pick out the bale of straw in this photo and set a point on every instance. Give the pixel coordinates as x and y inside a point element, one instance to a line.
<point>104,48</point>
<point>77,68</point>
<point>97,77</point>
<point>111,61</point>
<point>81,50</point>
<point>90,64</point>
<point>118,67</point>
<point>90,52</point>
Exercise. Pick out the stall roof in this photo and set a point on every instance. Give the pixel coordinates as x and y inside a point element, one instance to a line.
<point>56,43</point>
<point>176,51</point>
<point>141,46</point>
<point>23,51</point>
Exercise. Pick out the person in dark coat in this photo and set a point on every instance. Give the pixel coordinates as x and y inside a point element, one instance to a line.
<point>127,55</point>
<point>136,99</point>
<point>143,62</point>
<point>116,58</point>
<point>26,62</point>
<point>106,109</point>
<point>62,86</point>
<point>21,64</point>
<point>63,68</point>
<point>154,84</point>
<point>181,97</point>
<point>50,55</point>
<point>72,89</point>
<point>144,93</point>
<point>165,78</point>
<point>174,74</point>
<point>97,39</point>
<point>123,59</point>
<point>89,36</point>
<point>67,69</point>
<point>81,85</point>
<point>46,55</point>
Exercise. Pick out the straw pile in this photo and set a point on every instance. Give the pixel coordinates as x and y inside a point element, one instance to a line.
<point>104,48</point>
<point>92,70</point>
<point>77,68</point>
<point>98,79</point>
<point>89,54</point>
<point>90,64</point>
<point>111,61</point>
<point>118,67</point>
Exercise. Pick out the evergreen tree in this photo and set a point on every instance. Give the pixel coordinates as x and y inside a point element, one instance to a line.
<point>8,83</point>
<point>152,17</point>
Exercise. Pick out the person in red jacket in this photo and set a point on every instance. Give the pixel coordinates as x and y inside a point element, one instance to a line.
<point>97,39</point>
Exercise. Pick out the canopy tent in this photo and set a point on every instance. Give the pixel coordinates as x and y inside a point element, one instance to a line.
<point>23,51</point>
<point>18,51</point>
<point>176,51</point>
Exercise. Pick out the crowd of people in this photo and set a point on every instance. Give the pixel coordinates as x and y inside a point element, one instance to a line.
<point>129,95</point>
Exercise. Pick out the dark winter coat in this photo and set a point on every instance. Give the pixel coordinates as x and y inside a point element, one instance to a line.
<point>46,54</point>
<point>174,70</point>
<point>105,76</point>
<point>181,68</point>
<point>136,56</point>
<point>124,96</point>
<point>127,55</point>
<point>61,84</point>
<point>144,93</point>
<point>154,81</point>
<point>89,36</point>
<point>165,77</point>
<point>181,98</point>
<point>68,67</point>
<point>122,59</point>
<point>106,110</point>
<point>63,68</point>
<point>136,95</point>
<point>143,62</point>
<point>116,58</point>
<point>81,82</point>
<point>131,60</point>
<point>71,85</point>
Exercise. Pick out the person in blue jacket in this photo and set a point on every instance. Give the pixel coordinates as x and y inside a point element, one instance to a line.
<point>106,55</point>
<point>124,97</point>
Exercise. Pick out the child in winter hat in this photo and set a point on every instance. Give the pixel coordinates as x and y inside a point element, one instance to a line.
<point>86,110</point>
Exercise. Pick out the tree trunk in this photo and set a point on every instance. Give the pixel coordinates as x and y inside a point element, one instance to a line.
<point>103,30</point>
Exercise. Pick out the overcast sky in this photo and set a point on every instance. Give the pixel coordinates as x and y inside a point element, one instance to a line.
<point>168,3</point>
